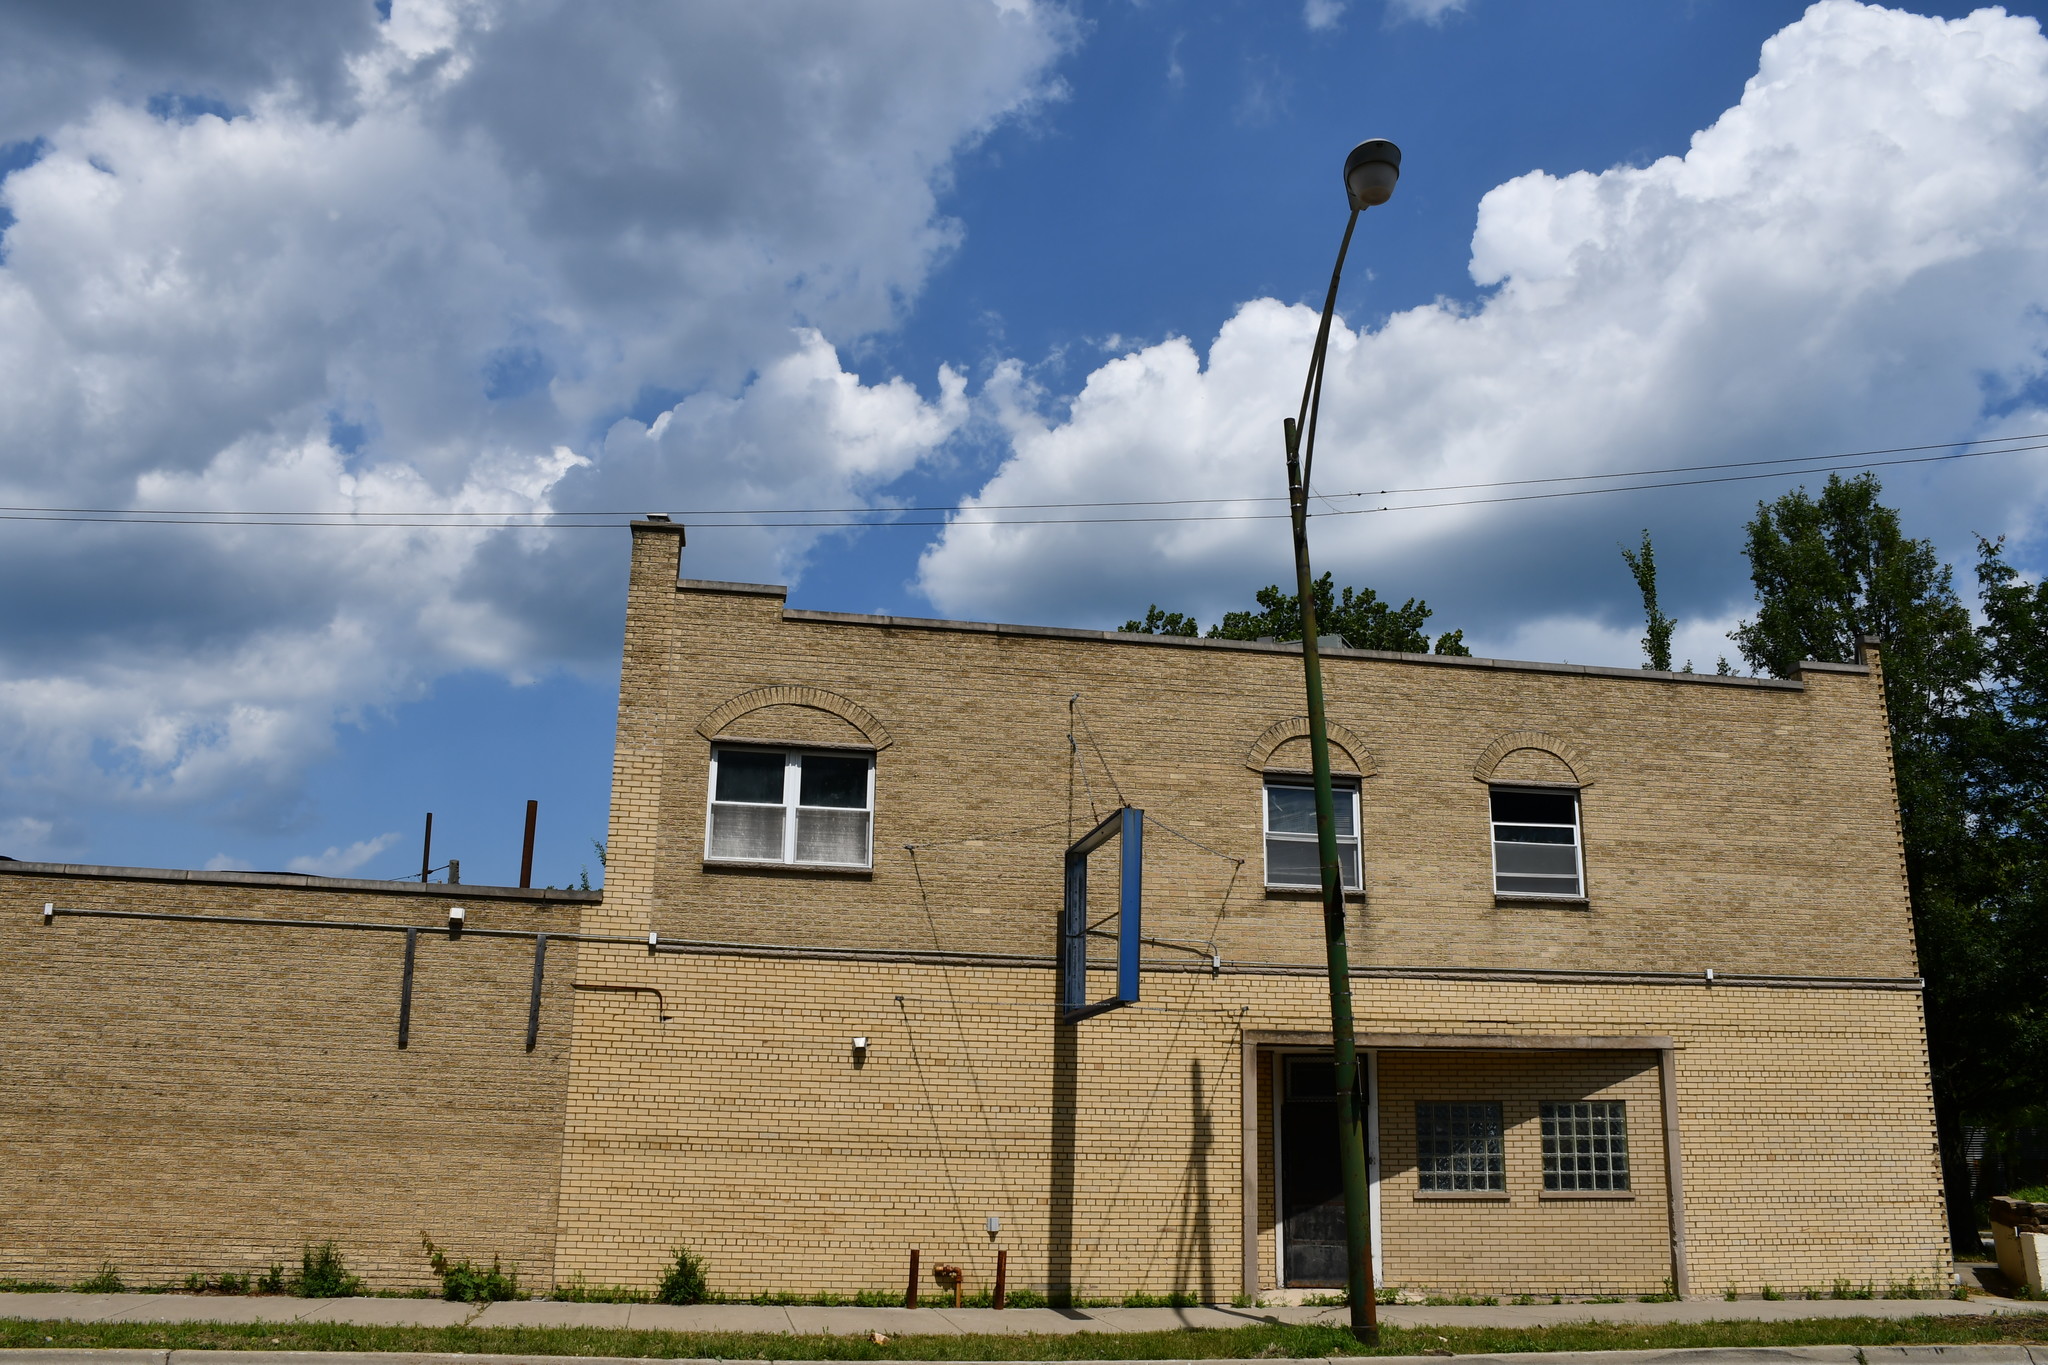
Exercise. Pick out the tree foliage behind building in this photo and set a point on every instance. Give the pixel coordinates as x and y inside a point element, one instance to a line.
<point>1357,615</point>
<point>1968,710</point>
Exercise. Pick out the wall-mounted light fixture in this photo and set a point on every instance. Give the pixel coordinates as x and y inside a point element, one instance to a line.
<point>455,921</point>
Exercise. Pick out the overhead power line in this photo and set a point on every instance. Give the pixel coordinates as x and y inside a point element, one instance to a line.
<point>957,515</point>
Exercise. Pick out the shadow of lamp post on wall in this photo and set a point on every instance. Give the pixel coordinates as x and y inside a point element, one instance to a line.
<point>1369,175</point>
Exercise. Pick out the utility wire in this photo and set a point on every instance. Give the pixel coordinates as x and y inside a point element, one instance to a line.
<point>962,516</point>
<point>1045,506</point>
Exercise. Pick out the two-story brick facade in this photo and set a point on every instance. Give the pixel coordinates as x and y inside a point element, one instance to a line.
<point>1633,960</point>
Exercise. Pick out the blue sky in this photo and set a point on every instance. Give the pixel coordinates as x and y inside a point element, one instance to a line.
<point>503,256</point>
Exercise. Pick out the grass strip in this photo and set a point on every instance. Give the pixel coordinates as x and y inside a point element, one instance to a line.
<point>1236,1343</point>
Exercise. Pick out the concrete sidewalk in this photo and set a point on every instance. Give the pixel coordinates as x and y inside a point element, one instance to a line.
<point>741,1317</point>
<point>1767,1355</point>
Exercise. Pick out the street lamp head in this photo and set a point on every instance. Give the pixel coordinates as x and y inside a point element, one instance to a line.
<point>1370,172</point>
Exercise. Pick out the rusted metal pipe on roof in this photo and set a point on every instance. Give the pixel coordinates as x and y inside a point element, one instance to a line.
<point>526,852</point>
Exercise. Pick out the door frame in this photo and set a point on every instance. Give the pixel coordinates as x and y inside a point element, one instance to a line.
<point>1369,1058</point>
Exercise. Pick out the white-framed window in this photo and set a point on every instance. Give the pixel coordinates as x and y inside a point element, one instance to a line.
<point>1458,1149</point>
<point>806,807</point>
<point>1585,1145</point>
<point>1291,855</point>
<point>1536,843</point>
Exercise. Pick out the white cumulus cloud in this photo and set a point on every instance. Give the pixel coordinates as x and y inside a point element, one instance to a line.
<point>1853,256</point>
<point>339,862</point>
<point>1428,11</point>
<point>341,264</point>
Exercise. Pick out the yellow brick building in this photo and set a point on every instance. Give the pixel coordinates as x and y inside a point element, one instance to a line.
<point>1633,971</point>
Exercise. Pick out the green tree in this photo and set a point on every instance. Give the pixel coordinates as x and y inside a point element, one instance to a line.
<point>1829,571</point>
<point>2006,924</point>
<point>1642,566</point>
<point>1159,622</point>
<point>1358,615</point>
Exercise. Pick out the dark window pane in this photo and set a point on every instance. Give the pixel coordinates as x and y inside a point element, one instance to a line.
<point>1536,808</point>
<point>1293,862</point>
<point>1536,886</point>
<point>1291,810</point>
<point>1535,860</point>
<point>749,775</point>
<point>1533,834</point>
<point>833,782</point>
<point>1309,1079</point>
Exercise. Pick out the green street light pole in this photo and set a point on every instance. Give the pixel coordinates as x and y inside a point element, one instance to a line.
<point>1369,175</point>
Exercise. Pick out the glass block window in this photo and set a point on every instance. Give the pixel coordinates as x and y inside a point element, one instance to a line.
<point>1291,856</point>
<point>1457,1148</point>
<point>1536,843</point>
<point>784,806</point>
<point>1585,1145</point>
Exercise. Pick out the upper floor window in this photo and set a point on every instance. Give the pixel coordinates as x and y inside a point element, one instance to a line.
<point>791,806</point>
<point>1536,843</point>
<point>1291,854</point>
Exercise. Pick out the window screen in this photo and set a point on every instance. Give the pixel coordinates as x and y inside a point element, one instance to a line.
<point>1536,843</point>
<point>779,806</point>
<point>1458,1148</point>
<point>1291,853</point>
<point>1585,1145</point>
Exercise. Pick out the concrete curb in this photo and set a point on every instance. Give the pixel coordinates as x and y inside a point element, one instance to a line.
<point>1730,1355</point>
<point>742,1317</point>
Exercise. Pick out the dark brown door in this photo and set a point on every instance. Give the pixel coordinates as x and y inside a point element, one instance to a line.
<point>1311,1180</point>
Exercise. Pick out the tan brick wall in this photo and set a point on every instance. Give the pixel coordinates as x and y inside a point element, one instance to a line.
<point>1743,828</point>
<point>1525,1240</point>
<point>185,1098</point>
<point>207,1098</point>
<point>741,1127</point>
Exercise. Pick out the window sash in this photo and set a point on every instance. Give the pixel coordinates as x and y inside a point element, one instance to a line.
<point>1458,1148</point>
<point>789,831</point>
<point>1585,1146</point>
<point>1293,856</point>
<point>1538,858</point>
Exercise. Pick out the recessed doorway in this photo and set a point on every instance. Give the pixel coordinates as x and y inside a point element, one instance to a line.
<point>1311,1180</point>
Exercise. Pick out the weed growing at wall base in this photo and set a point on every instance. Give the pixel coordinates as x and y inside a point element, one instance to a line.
<point>107,1281</point>
<point>466,1282</point>
<point>322,1275</point>
<point>683,1282</point>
